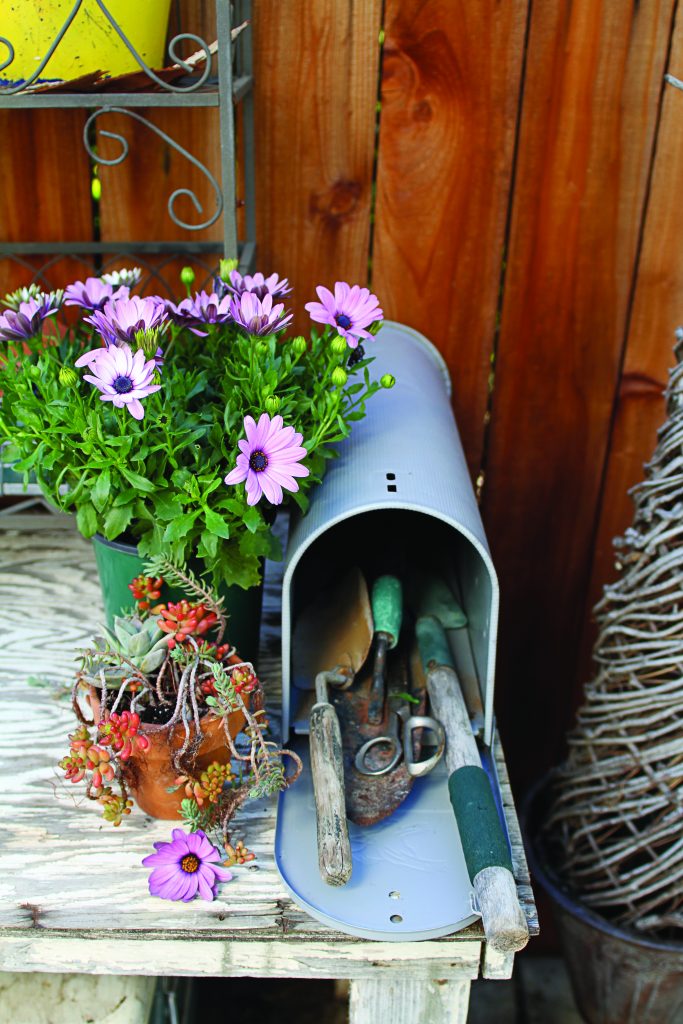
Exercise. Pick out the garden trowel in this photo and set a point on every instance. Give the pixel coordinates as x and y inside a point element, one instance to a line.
<point>332,638</point>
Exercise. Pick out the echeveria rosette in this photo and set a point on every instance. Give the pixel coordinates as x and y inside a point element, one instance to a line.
<point>27,321</point>
<point>186,867</point>
<point>200,311</point>
<point>122,377</point>
<point>259,317</point>
<point>270,459</point>
<point>258,285</point>
<point>122,319</point>
<point>350,310</point>
<point>92,294</point>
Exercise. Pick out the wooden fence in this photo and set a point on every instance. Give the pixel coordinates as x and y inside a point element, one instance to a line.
<point>507,176</point>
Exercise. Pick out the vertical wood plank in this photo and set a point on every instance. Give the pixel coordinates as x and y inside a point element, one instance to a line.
<point>316,68</point>
<point>44,196</point>
<point>135,193</point>
<point>405,1001</point>
<point>590,107</point>
<point>450,96</point>
<point>657,311</point>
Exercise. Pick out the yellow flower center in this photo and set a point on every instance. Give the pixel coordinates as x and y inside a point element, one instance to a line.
<point>190,864</point>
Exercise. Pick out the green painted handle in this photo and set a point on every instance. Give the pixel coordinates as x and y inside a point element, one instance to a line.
<point>432,643</point>
<point>387,607</point>
<point>481,833</point>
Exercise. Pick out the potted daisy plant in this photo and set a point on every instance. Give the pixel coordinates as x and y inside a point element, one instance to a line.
<point>177,430</point>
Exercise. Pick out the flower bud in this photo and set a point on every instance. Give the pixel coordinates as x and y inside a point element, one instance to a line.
<point>148,341</point>
<point>226,267</point>
<point>375,327</point>
<point>339,377</point>
<point>261,348</point>
<point>338,345</point>
<point>34,372</point>
<point>299,345</point>
<point>96,189</point>
<point>187,276</point>
<point>387,380</point>
<point>68,378</point>
<point>272,404</point>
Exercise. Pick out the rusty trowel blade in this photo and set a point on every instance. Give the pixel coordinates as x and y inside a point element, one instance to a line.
<point>334,630</point>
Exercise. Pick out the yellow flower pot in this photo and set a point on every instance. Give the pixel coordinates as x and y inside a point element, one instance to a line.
<point>91,43</point>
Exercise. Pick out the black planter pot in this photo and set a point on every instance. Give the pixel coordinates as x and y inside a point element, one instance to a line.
<point>618,977</point>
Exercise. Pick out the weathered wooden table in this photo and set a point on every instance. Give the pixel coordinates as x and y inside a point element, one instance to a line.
<point>73,891</point>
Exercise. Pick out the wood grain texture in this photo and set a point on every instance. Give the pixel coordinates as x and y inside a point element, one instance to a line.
<point>657,311</point>
<point>45,191</point>
<point>590,108</point>
<point>450,96</point>
<point>316,68</point>
<point>405,1002</point>
<point>135,193</point>
<point>73,892</point>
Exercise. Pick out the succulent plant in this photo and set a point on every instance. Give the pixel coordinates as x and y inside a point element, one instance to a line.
<point>141,642</point>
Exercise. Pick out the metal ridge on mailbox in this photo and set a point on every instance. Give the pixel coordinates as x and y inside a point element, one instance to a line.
<point>424,852</point>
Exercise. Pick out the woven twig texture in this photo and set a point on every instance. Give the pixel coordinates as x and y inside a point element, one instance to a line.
<point>617,817</point>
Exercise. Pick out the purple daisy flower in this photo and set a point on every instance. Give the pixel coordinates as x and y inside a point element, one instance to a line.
<point>269,459</point>
<point>121,319</point>
<point>258,285</point>
<point>122,377</point>
<point>26,322</point>
<point>186,866</point>
<point>92,294</point>
<point>258,316</point>
<point>350,310</point>
<point>202,309</point>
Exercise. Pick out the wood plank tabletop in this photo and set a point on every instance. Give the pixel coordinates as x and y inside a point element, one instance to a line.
<point>73,891</point>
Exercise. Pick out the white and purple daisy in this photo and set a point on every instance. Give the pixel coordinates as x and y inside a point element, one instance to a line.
<point>92,294</point>
<point>187,866</point>
<point>350,310</point>
<point>121,319</point>
<point>258,285</point>
<point>122,376</point>
<point>202,309</point>
<point>26,322</point>
<point>14,299</point>
<point>126,276</point>
<point>269,459</point>
<point>259,316</point>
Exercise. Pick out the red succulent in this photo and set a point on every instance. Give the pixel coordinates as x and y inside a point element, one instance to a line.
<point>183,620</point>
<point>120,732</point>
<point>146,589</point>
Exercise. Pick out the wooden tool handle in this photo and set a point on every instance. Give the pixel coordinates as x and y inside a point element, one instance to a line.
<point>327,768</point>
<point>483,841</point>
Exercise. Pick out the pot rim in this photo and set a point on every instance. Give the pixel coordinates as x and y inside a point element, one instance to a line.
<point>570,904</point>
<point>117,545</point>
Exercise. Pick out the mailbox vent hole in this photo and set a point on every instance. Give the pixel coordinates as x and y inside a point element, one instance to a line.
<point>391,476</point>
<point>396,919</point>
<point>394,895</point>
<point>391,487</point>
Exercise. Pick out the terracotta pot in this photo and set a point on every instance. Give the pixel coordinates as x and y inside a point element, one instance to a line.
<point>148,775</point>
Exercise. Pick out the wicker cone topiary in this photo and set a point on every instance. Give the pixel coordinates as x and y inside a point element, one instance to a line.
<point>615,827</point>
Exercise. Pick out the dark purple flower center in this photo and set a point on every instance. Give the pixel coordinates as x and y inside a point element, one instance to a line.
<point>343,321</point>
<point>122,385</point>
<point>190,864</point>
<point>258,461</point>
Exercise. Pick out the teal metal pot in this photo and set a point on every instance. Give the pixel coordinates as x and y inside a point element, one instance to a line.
<point>118,564</point>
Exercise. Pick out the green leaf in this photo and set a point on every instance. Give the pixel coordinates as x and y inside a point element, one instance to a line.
<point>100,492</point>
<point>180,526</point>
<point>86,520</point>
<point>141,483</point>
<point>167,506</point>
<point>117,520</point>
<point>216,524</point>
<point>252,518</point>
